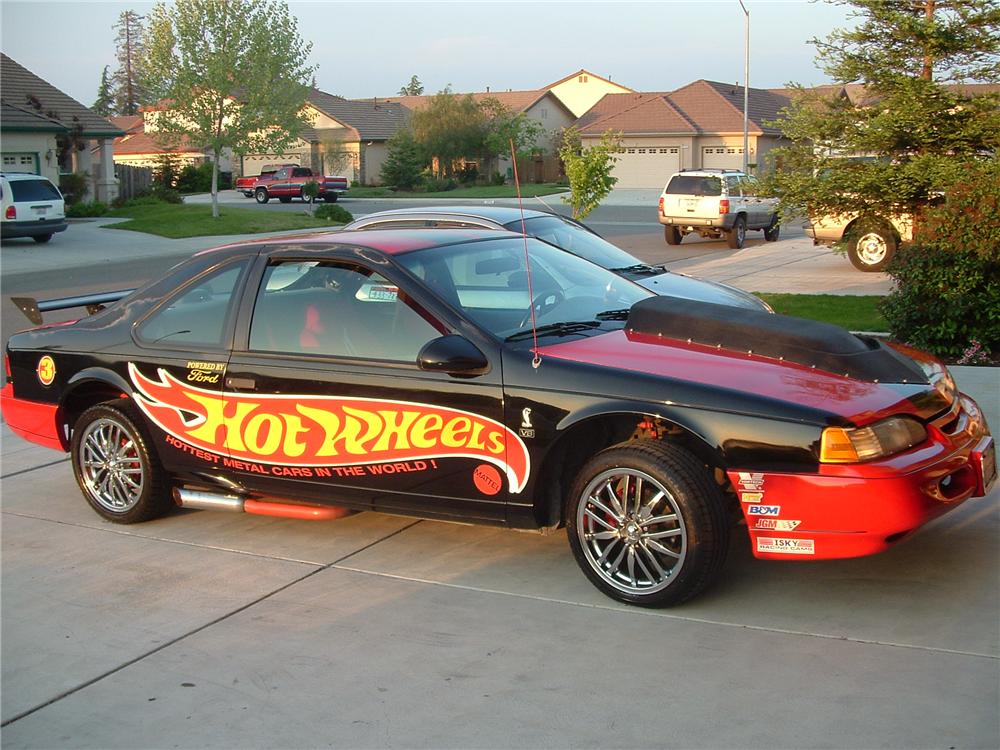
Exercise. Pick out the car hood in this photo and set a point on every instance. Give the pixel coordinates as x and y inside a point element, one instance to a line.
<point>757,376</point>
<point>678,285</point>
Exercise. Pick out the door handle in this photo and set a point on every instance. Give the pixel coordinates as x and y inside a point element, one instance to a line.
<point>243,384</point>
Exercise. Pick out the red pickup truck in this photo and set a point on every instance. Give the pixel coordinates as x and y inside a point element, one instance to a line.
<point>287,183</point>
<point>246,185</point>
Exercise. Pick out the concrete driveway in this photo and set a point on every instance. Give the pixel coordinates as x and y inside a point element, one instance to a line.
<point>216,630</point>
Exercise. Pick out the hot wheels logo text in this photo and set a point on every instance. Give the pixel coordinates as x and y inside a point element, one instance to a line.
<point>294,430</point>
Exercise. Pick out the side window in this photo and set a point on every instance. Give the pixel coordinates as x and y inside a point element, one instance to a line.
<point>281,174</point>
<point>733,186</point>
<point>198,315</point>
<point>337,310</point>
<point>302,172</point>
<point>397,224</point>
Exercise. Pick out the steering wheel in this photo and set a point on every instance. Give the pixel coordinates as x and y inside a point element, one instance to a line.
<point>543,304</point>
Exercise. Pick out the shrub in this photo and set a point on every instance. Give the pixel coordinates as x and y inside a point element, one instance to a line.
<point>73,186</point>
<point>404,162</point>
<point>166,195</point>
<point>85,210</point>
<point>336,214</point>
<point>439,185</point>
<point>947,293</point>
<point>497,179</point>
<point>198,179</point>
<point>468,174</point>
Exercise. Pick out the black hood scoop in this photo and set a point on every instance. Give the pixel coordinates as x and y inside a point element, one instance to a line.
<point>805,342</point>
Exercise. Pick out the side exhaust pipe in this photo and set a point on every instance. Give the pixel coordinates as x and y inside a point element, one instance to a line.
<point>200,500</point>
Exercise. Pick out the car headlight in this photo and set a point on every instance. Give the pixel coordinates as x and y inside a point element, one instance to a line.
<point>840,445</point>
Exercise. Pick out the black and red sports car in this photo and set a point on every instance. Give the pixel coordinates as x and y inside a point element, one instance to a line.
<point>440,373</point>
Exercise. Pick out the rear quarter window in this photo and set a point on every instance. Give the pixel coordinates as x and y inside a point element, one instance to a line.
<point>692,185</point>
<point>33,190</point>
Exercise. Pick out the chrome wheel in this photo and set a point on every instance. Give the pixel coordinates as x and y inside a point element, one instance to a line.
<point>111,467</point>
<point>871,248</point>
<point>631,531</point>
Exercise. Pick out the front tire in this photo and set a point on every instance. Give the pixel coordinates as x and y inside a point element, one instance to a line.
<point>647,523</point>
<point>41,239</point>
<point>672,235</point>
<point>870,247</point>
<point>260,194</point>
<point>738,234</point>
<point>118,471</point>
<point>772,230</point>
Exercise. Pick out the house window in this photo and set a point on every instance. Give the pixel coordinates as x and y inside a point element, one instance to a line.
<point>630,151</point>
<point>582,79</point>
<point>544,113</point>
<point>642,150</point>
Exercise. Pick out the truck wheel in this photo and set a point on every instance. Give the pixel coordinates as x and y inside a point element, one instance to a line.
<point>261,195</point>
<point>871,246</point>
<point>118,472</point>
<point>772,230</point>
<point>647,523</point>
<point>41,239</point>
<point>736,236</point>
<point>330,197</point>
<point>672,235</point>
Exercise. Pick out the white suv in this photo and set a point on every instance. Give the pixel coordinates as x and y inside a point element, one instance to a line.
<point>716,203</point>
<point>30,206</point>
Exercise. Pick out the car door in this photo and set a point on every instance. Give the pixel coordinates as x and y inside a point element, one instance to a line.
<point>737,203</point>
<point>280,185</point>
<point>758,211</point>
<point>325,401</point>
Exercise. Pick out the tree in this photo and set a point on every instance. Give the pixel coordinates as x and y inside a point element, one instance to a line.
<point>413,88</point>
<point>502,126</point>
<point>128,46</point>
<point>338,157</point>
<point>449,129</point>
<point>104,105</point>
<point>229,75</point>
<point>589,169</point>
<point>914,134</point>
<point>405,161</point>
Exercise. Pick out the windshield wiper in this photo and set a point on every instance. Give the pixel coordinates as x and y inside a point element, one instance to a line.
<point>556,329</point>
<point>637,268</point>
<point>613,315</point>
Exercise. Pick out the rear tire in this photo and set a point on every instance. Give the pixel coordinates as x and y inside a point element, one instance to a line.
<point>260,194</point>
<point>736,236</point>
<point>672,235</point>
<point>41,239</point>
<point>772,230</point>
<point>647,523</point>
<point>118,471</point>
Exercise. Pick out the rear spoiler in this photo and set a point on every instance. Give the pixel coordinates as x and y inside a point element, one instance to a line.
<point>94,303</point>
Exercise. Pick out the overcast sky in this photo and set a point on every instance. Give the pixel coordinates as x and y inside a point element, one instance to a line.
<point>372,48</point>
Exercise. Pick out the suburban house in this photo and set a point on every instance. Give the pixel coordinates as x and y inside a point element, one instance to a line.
<point>696,126</point>
<point>582,90</point>
<point>46,132</point>
<point>139,148</point>
<point>347,138</point>
<point>539,105</point>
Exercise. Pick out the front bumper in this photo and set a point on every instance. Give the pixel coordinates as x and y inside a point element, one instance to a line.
<point>860,509</point>
<point>34,421</point>
<point>35,228</point>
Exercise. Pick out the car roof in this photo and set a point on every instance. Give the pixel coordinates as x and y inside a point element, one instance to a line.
<point>23,176</point>
<point>499,214</point>
<point>389,241</point>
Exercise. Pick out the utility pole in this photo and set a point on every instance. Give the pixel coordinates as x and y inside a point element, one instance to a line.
<point>746,85</point>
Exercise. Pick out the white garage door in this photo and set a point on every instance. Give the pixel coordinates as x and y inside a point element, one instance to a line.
<point>20,163</point>
<point>722,157</point>
<point>646,167</point>
<point>252,164</point>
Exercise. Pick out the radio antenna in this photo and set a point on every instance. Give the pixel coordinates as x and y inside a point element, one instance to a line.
<point>537,360</point>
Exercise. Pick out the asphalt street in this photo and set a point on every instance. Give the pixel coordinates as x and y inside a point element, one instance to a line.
<point>224,630</point>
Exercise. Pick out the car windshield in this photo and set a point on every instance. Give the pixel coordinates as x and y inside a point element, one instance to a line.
<point>684,184</point>
<point>488,281</point>
<point>575,239</point>
<point>34,190</point>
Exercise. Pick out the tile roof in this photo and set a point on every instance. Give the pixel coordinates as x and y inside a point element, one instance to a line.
<point>700,107</point>
<point>140,142</point>
<point>129,123</point>
<point>13,117</point>
<point>20,85</point>
<point>518,101</point>
<point>372,119</point>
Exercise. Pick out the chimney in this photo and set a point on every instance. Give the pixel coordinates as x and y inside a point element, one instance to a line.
<point>487,89</point>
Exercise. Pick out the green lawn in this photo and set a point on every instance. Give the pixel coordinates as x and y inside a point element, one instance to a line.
<point>848,311</point>
<point>479,191</point>
<point>184,220</point>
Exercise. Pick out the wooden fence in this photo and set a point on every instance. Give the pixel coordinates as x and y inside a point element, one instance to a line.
<point>133,181</point>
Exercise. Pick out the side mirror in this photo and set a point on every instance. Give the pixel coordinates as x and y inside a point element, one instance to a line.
<point>455,355</point>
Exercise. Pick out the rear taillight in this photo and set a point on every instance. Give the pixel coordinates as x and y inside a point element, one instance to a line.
<point>661,205</point>
<point>11,212</point>
<point>723,206</point>
<point>6,367</point>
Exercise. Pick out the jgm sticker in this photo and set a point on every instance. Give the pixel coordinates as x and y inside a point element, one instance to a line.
<point>786,546</point>
<point>774,524</point>
<point>751,481</point>
<point>763,510</point>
